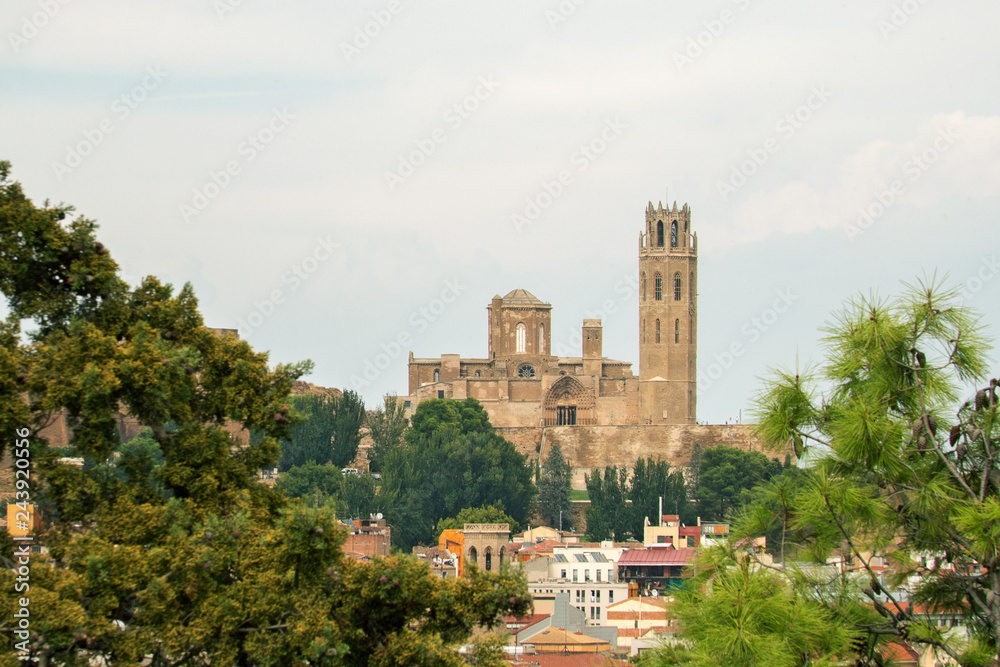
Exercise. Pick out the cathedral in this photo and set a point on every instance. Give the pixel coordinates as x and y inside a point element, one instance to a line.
<point>522,385</point>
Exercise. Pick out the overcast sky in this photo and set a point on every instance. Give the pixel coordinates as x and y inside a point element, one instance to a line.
<point>336,177</point>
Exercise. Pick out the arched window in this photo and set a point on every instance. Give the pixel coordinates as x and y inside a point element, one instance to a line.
<point>659,234</point>
<point>691,288</point>
<point>658,287</point>
<point>643,285</point>
<point>673,234</point>
<point>473,555</point>
<point>644,331</point>
<point>522,337</point>
<point>437,375</point>
<point>677,331</point>
<point>488,558</point>
<point>477,374</point>
<point>657,330</point>
<point>541,338</point>
<point>677,286</point>
<point>526,371</point>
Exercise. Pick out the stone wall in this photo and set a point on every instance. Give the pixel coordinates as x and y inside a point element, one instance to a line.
<point>590,447</point>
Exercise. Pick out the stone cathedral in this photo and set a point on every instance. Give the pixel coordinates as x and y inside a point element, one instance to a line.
<point>523,386</point>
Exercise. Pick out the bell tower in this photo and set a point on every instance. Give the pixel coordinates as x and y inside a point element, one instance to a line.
<point>668,317</point>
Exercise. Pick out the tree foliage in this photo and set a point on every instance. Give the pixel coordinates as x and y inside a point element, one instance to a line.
<point>452,460</point>
<point>725,477</point>
<point>902,469</point>
<point>386,427</point>
<point>620,503</point>
<point>738,615</point>
<point>486,514</point>
<point>170,550</point>
<point>311,438</point>
<point>553,490</point>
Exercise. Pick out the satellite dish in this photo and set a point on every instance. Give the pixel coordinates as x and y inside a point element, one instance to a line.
<point>379,516</point>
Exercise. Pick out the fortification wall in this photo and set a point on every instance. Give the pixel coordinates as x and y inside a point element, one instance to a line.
<point>590,447</point>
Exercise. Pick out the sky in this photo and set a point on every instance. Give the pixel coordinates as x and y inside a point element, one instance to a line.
<point>349,182</point>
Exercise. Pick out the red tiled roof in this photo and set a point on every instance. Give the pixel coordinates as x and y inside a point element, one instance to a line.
<point>658,556</point>
<point>541,548</point>
<point>574,660</point>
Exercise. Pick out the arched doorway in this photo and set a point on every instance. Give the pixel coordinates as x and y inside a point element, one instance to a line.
<point>569,403</point>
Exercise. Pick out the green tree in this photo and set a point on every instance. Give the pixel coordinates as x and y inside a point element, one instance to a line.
<point>725,478</point>
<point>220,569</point>
<point>608,516</point>
<point>486,514</point>
<point>553,490</point>
<point>902,469</point>
<point>310,440</point>
<point>386,426</point>
<point>738,615</point>
<point>437,414</point>
<point>452,460</point>
<point>652,480</point>
<point>311,478</point>
<point>348,417</point>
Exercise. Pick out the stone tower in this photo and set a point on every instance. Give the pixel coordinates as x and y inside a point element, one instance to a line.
<point>520,324</point>
<point>668,317</point>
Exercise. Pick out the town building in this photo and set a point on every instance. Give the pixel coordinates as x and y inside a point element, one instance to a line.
<point>486,545</point>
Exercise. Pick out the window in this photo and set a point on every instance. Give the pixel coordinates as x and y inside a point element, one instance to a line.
<point>644,331</point>
<point>440,393</point>
<point>592,595</point>
<point>691,288</point>
<point>541,338</point>
<point>477,374</point>
<point>489,559</point>
<point>522,337</point>
<point>657,330</point>
<point>437,375</point>
<point>598,597</point>
<point>598,573</point>
<point>610,576</point>
<point>659,234</point>
<point>611,597</point>
<point>643,285</point>
<point>562,574</point>
<point>677,286</point>
<point>526,371</point>
<point>406,404</point>
<point>575,577</point>
<point>586,575</point>
<point>673,234</point>
<point>677,331</point>
<point>658,287</point>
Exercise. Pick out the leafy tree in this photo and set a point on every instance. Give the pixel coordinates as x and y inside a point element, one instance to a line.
<point>311,478</point>
<point>694,469</point>
<point>902,469</point>
<point>725,478</point>
<point>386,426</point>
<point>348,417</point>
<point>651,481</point>
<point>434,415</point>
<point>452,460</point>
<point>220,569</point>
<point>608,516</point>
<point>487,514</point>
<point>553,489</point>
<point>311,438</point>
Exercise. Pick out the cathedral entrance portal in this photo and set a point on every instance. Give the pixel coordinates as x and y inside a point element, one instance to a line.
<point>569,403</point>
